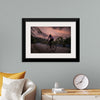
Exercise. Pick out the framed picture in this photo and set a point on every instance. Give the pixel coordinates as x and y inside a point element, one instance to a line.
<point>50,40</point>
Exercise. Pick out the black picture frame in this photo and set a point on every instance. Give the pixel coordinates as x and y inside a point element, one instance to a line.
<point>77,23</point>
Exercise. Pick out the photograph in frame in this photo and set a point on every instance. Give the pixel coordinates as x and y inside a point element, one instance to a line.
<point>50,40</point>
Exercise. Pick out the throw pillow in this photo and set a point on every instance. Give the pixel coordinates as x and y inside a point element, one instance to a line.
<point>12,88</point>
<point>11,76</point>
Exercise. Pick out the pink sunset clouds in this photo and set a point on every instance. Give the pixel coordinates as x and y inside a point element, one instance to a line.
<point>43,32</point>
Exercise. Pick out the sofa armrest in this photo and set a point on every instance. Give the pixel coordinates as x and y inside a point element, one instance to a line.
<point>29,91</point>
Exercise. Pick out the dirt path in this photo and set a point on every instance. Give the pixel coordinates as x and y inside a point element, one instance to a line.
<point>43,48</point>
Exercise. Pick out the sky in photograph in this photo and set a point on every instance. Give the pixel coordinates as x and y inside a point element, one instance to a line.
<point>43,32</point>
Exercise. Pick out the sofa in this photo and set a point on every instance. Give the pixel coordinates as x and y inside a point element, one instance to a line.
<point>13,86</point>
<point>29,90</point>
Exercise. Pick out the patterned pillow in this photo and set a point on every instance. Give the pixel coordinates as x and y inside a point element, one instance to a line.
<point>12,88</point>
